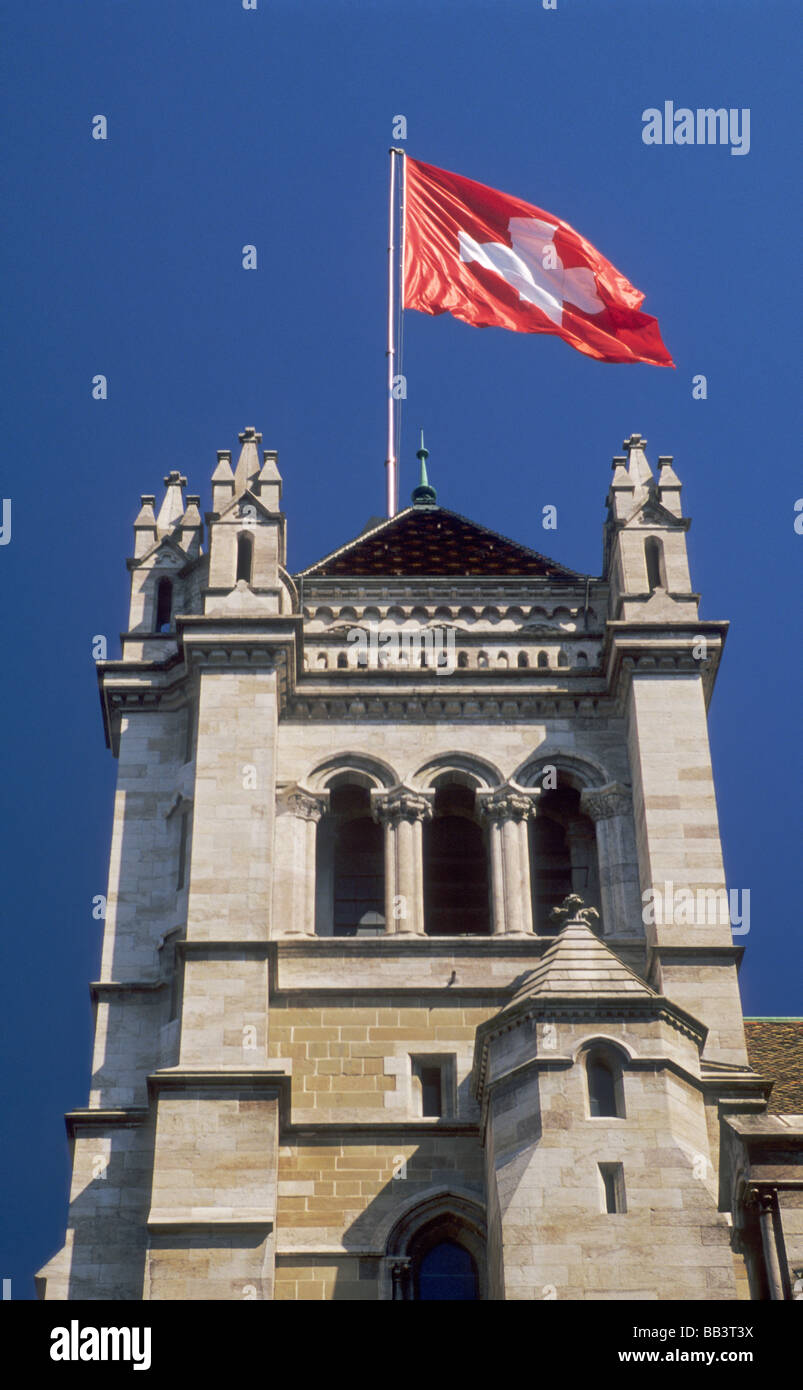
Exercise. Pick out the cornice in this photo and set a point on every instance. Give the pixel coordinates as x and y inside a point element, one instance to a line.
<point>125,1117</point>
<point>660,649</point>
<point>411,701</point>
<point>565,1008</point>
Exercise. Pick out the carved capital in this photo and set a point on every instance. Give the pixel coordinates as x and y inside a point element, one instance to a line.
<point>305,805</point>
<point>402,803</point>
<point>506,803</point>
<point>601,803</point>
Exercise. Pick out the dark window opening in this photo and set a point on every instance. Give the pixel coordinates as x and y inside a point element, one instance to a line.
<point>430,1078</point>
<point>245,557</point>
<point>601,1088</point>
<point>164,605</point>
<point>456,898</point>
<point>189,734</point>
<point>358,865</point>
<point>563,854</point>
<point>446,1271</point>
<point>654,556</point>
<point>523,659</point>
<point>613,1188</point>
<point>543,661</point>
<point>342,661</point>
<point>182,851</point>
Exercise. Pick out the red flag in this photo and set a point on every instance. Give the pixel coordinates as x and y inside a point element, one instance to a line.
<point>494,261</point>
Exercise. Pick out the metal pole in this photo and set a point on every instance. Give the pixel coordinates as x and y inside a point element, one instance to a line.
<point>390,461</point>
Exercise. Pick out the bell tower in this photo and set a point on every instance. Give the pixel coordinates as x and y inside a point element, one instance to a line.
<point>418,978</point>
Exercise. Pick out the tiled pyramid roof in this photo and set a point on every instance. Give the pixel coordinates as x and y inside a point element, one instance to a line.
<point>434,541</point>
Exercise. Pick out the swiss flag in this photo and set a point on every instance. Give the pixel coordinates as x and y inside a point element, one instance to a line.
<point>496,262</point>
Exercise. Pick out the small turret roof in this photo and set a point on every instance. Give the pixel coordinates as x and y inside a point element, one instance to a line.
<point>579,963</point>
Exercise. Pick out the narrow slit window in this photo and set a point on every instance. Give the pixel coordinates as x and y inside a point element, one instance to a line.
<point>612,1179</point>
<point>182,852</point>
<point>245,557</point>
<point>433,1085</point>
<point>654,557</point>
<point>164,605</point>
<point>189,734</point>
<point>605,1087</point>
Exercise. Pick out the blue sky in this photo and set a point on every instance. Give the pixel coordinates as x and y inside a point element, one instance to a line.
<point>271,127</point>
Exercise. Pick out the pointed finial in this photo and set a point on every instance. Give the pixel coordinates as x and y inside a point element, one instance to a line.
<point>424,495</point>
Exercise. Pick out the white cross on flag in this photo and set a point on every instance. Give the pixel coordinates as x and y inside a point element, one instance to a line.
<point>495,261</point>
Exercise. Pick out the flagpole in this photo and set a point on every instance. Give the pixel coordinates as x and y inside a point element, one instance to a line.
<point>391,461</point>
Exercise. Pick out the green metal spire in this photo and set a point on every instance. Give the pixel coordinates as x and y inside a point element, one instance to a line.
<point>424,495</point>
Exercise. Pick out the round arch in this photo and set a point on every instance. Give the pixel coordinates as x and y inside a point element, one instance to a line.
<point>573,770</point>
<point>466,769</point>
<point>359,768</point>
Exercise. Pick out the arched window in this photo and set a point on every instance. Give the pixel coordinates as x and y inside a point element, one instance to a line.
<point>482,659</point>
<point>438,1250</point>
<point>654,557</point>
<point>342,661</point>
<point>164,605</point>
<point>445,1271</point>
<point>563,659</point>
<point>462,660</point>
<point>245,556</point>
<point>563,854</point>
<point>605,1085</point>
<point>581,659</point>
<point>455,867</point>
<point>321,661</point>
<point>522,660</point>
<point>350,867</point>
<point>503,659</point>
<point>543,661</point>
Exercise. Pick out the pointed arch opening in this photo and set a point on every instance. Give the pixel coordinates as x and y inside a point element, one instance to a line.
<point>437,1251</point>
<point>164,605</point>
<point>245,557</point>
<point>654,559</point>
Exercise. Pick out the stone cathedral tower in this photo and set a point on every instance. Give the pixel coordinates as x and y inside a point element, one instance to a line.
<point>382,1013</point>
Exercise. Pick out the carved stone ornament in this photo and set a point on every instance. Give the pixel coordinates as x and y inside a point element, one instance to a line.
<point>304,805</point>
<point>573,909</point>
<point>507,803</point>
<point>600,803</point>
<point>402,804</point>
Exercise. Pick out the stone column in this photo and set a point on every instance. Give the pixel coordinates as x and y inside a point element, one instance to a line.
<point>294,869</point>
<point>767,1203</point>
<point>403,812</point>
<point>611,809</point>
<point>506,812</point>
